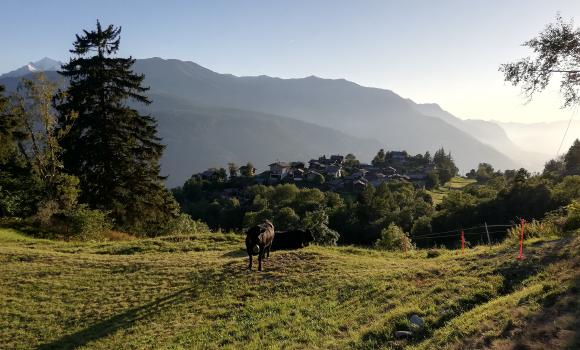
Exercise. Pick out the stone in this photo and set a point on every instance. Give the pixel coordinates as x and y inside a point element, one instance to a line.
<point>403,334</point>
<point>417,321</point>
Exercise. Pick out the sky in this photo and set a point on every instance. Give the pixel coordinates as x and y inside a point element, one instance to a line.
<point>443,51</point>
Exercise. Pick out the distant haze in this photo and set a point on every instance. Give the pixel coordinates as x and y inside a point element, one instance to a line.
<point>208,119</point>
<point>445,52</point>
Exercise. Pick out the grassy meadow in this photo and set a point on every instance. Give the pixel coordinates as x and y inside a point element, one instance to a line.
<point>456,183</point>
<point>183,292</point>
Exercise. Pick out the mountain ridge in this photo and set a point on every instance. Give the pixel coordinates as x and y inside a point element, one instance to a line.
<point>42,65</point>
<point>343,105</point>
<point>362,115</point>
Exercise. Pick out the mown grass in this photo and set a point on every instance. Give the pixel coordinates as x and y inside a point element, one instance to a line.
<point>456,183</point>
<point>185,292</point>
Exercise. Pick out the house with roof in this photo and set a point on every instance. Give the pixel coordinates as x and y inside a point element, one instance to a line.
<point>399,177</point>
<point>359,185</point>
<point>250,170</point>
<point>279,170</point>
<point>298,165</point>
<point>389,170</point>
<point>313,175</point>
<point>334,171</point>
<point>298,174</point>
<point>316,165</point>
<point>336,159</point>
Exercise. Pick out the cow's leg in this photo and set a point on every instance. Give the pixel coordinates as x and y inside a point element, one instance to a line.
<point>261,257</point>
<point>250,256</point>
<point>268,251</point>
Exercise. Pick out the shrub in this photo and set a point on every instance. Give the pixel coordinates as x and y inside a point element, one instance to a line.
<point>286,219</point>
<point>254,218</point>
<point>45,214</point>
<point>572,220</point>
<point>534,229</point>
<point>87,224</point>
<point>433,254</point>
<point>422,226</point>
<point>393,238</point>
<point>118,236</point>
<point>432,180</point>
<point>184,224</point>
<point>317,222</point>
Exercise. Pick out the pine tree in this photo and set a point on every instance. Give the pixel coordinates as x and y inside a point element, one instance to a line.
<point>445,165</point>
<point>572,159</point>
<point>112,148</point>
<point>379,159</point>
<point>10,128</point>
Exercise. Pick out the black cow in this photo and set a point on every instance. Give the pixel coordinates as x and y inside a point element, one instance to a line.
<point>293,239</point>
<point>259,241</point>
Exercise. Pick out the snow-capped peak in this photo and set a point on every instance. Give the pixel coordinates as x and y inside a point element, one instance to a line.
<point>42,65</point>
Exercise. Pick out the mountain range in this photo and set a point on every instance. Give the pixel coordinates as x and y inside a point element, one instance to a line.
<point>208,119</point>
<point>42,65</point>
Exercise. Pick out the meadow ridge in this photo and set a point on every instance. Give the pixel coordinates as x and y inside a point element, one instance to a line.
<point>456,183</point>
<point>193,291</point>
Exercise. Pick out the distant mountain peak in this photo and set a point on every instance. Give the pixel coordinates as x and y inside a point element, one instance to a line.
<point>42,65</point>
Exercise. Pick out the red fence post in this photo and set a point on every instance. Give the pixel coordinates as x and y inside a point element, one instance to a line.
<point>521,256</point>
<point>462,243</point>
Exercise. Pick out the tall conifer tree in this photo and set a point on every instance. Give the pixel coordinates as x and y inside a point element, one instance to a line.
<point>112,148</point>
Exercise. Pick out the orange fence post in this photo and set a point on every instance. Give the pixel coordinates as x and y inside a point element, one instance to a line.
<point>462,243</point>
<point>521,256</point>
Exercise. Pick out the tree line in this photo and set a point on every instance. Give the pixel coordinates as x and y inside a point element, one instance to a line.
<point>393,208</point>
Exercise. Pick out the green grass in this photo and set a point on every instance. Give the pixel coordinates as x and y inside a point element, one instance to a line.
<point>195,292</point>
<point>456,183</point>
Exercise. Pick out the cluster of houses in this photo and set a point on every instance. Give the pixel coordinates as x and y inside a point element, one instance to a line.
<point>355,178</point>
<point>334,174</point>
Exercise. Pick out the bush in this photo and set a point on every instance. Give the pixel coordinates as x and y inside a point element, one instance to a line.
<point>87,224</point>
<point>45,214</point>
<point>572,220</point>
<point>317,222</point>
<point>184,224</point>
<point>534,229</point>
<point>433,254</point>
<point>286,219</point>
<point>422,226</point>
<point>393,238</point>
<point>252,218</point>
<point>432,180</point>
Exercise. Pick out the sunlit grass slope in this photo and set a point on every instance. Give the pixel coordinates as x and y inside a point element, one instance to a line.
<point>194,292</point>
<point>456,183</point>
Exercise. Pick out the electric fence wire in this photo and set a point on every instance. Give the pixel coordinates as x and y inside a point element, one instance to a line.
<point>567,128</point>
<point>458,231</point>
<point>436,235</point>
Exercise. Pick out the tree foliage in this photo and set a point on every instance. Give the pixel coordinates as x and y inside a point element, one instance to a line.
<point>393,238</point>
<point>111,147</point>
<point>556,51</point>
<point>445,165</point>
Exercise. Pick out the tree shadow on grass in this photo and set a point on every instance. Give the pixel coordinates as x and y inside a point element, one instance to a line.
<point>236,253</point>
<point>536,259</point>
<point>514,271</point>
<point>556,324</point>
<point>118,322</point>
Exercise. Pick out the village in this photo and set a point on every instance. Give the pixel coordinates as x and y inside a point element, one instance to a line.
<point>337,173</point>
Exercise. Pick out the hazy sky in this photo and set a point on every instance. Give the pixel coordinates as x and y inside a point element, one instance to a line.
<point>439,51</point>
